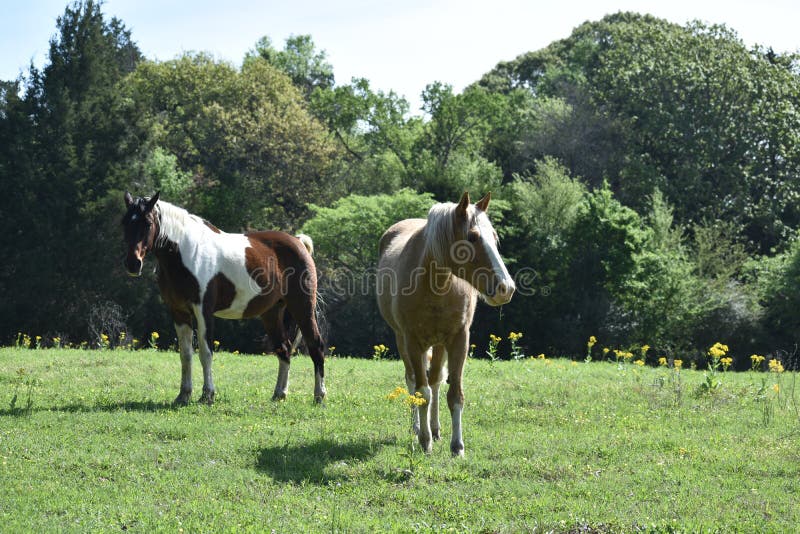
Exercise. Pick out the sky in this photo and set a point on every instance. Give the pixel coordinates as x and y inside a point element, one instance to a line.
<point>399,46</point>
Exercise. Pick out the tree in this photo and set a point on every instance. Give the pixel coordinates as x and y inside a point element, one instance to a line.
<point>256,156</point>
<point>688,110</point>
<point>308,68</point>
<point>374,130</point>
<point>68,148</point>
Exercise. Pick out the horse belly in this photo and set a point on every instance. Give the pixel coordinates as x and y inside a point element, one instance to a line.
<point>237,307</point>
<point>229,313</point>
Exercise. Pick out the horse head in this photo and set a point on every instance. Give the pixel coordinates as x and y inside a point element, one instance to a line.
<point>474,254</point>
<point>140,227</point>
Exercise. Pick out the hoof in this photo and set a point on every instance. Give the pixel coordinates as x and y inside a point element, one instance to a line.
<point>435,434</point>
<point>426,446</point>
<point>182,399</point>
<point>319,399</point>
<point>279,396</point>
<point>207,397</point>
<point>457,450</point>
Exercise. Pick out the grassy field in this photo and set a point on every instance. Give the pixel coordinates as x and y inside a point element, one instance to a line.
<point>90,442</point>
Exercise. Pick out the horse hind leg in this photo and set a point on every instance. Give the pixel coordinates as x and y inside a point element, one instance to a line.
<point>276,331</point>
<point>304,315</point>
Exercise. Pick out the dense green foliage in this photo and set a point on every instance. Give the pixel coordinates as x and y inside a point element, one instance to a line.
<point>92,444</point>
<point>646,179</point>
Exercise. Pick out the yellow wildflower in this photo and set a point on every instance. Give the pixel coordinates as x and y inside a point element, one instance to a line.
<point>494,339</point>
<point>718,350</point>
<point>677,363</point>
<point>592,341</point>
<point>415,400</point>
<point>605,350</point>
<point>775,366</point>
<point>154,335</point>
<point>662,361</point>
<point>216,344</point>
<point>645,348</point>
<point>397,392</point>
<point>776,388</point>
<point>640,363</point>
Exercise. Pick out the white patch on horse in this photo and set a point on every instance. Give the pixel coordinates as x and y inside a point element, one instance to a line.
<point>206,253</point>
<point>490,244</point>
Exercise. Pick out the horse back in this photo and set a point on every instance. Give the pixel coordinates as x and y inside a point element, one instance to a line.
<point>274,249</point>
<point>399,231</point>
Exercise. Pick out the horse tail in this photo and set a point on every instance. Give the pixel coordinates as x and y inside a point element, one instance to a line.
<point>307,242</point>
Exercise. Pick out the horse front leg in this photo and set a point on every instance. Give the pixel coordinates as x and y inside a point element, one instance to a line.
<point>457,355</point>
<point>436,375</point>
<point>416,358</point>
<point>185,335</point>
<point>205,327</point>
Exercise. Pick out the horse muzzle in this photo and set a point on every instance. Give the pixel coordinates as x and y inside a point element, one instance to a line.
<point>502,294</point>
<point>133,267</point>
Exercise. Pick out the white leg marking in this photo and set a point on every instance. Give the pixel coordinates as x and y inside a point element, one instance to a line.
<point>319,388</point>
<point>457,441</point>
<point>282,384</point>
<point>424,420</point>
<point>206,357</point>
<point>434,411</point>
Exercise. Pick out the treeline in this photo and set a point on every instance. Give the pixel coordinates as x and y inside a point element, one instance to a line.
<point>646,179</point>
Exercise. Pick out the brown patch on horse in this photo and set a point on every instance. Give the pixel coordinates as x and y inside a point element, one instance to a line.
<point>179,287</point>
<point>261,262</point>
<point>219,295</point>
<point>212,227</point>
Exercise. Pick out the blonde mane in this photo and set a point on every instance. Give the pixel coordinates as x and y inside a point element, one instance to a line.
<point>175,223</point>
<point>440,230</point>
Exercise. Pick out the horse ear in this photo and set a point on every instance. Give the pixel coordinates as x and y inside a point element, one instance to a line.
<point>463,204</point>
<point>128,199</point>
<point>152,202</point>
<point>483,204</point>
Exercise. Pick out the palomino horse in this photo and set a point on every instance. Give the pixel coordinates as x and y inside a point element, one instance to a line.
<point>430,274</point>
<point>204,272</point>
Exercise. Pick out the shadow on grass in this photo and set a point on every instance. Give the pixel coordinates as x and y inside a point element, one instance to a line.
<point>308,462</point>
<point>105,407</point>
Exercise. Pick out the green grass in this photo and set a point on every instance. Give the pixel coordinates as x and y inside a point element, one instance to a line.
<point>91,443</point>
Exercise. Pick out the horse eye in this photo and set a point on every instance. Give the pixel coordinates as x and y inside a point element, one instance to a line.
<point>472,236</point>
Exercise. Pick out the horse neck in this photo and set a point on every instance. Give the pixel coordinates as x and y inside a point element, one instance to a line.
<point>177,227</point>
<point>439,273</point>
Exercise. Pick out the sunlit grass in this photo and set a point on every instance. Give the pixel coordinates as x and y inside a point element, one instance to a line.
<point>92,443</point>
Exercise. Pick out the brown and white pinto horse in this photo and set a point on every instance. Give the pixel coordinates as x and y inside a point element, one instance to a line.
<point>430,274</point>
<point>204,272</point>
